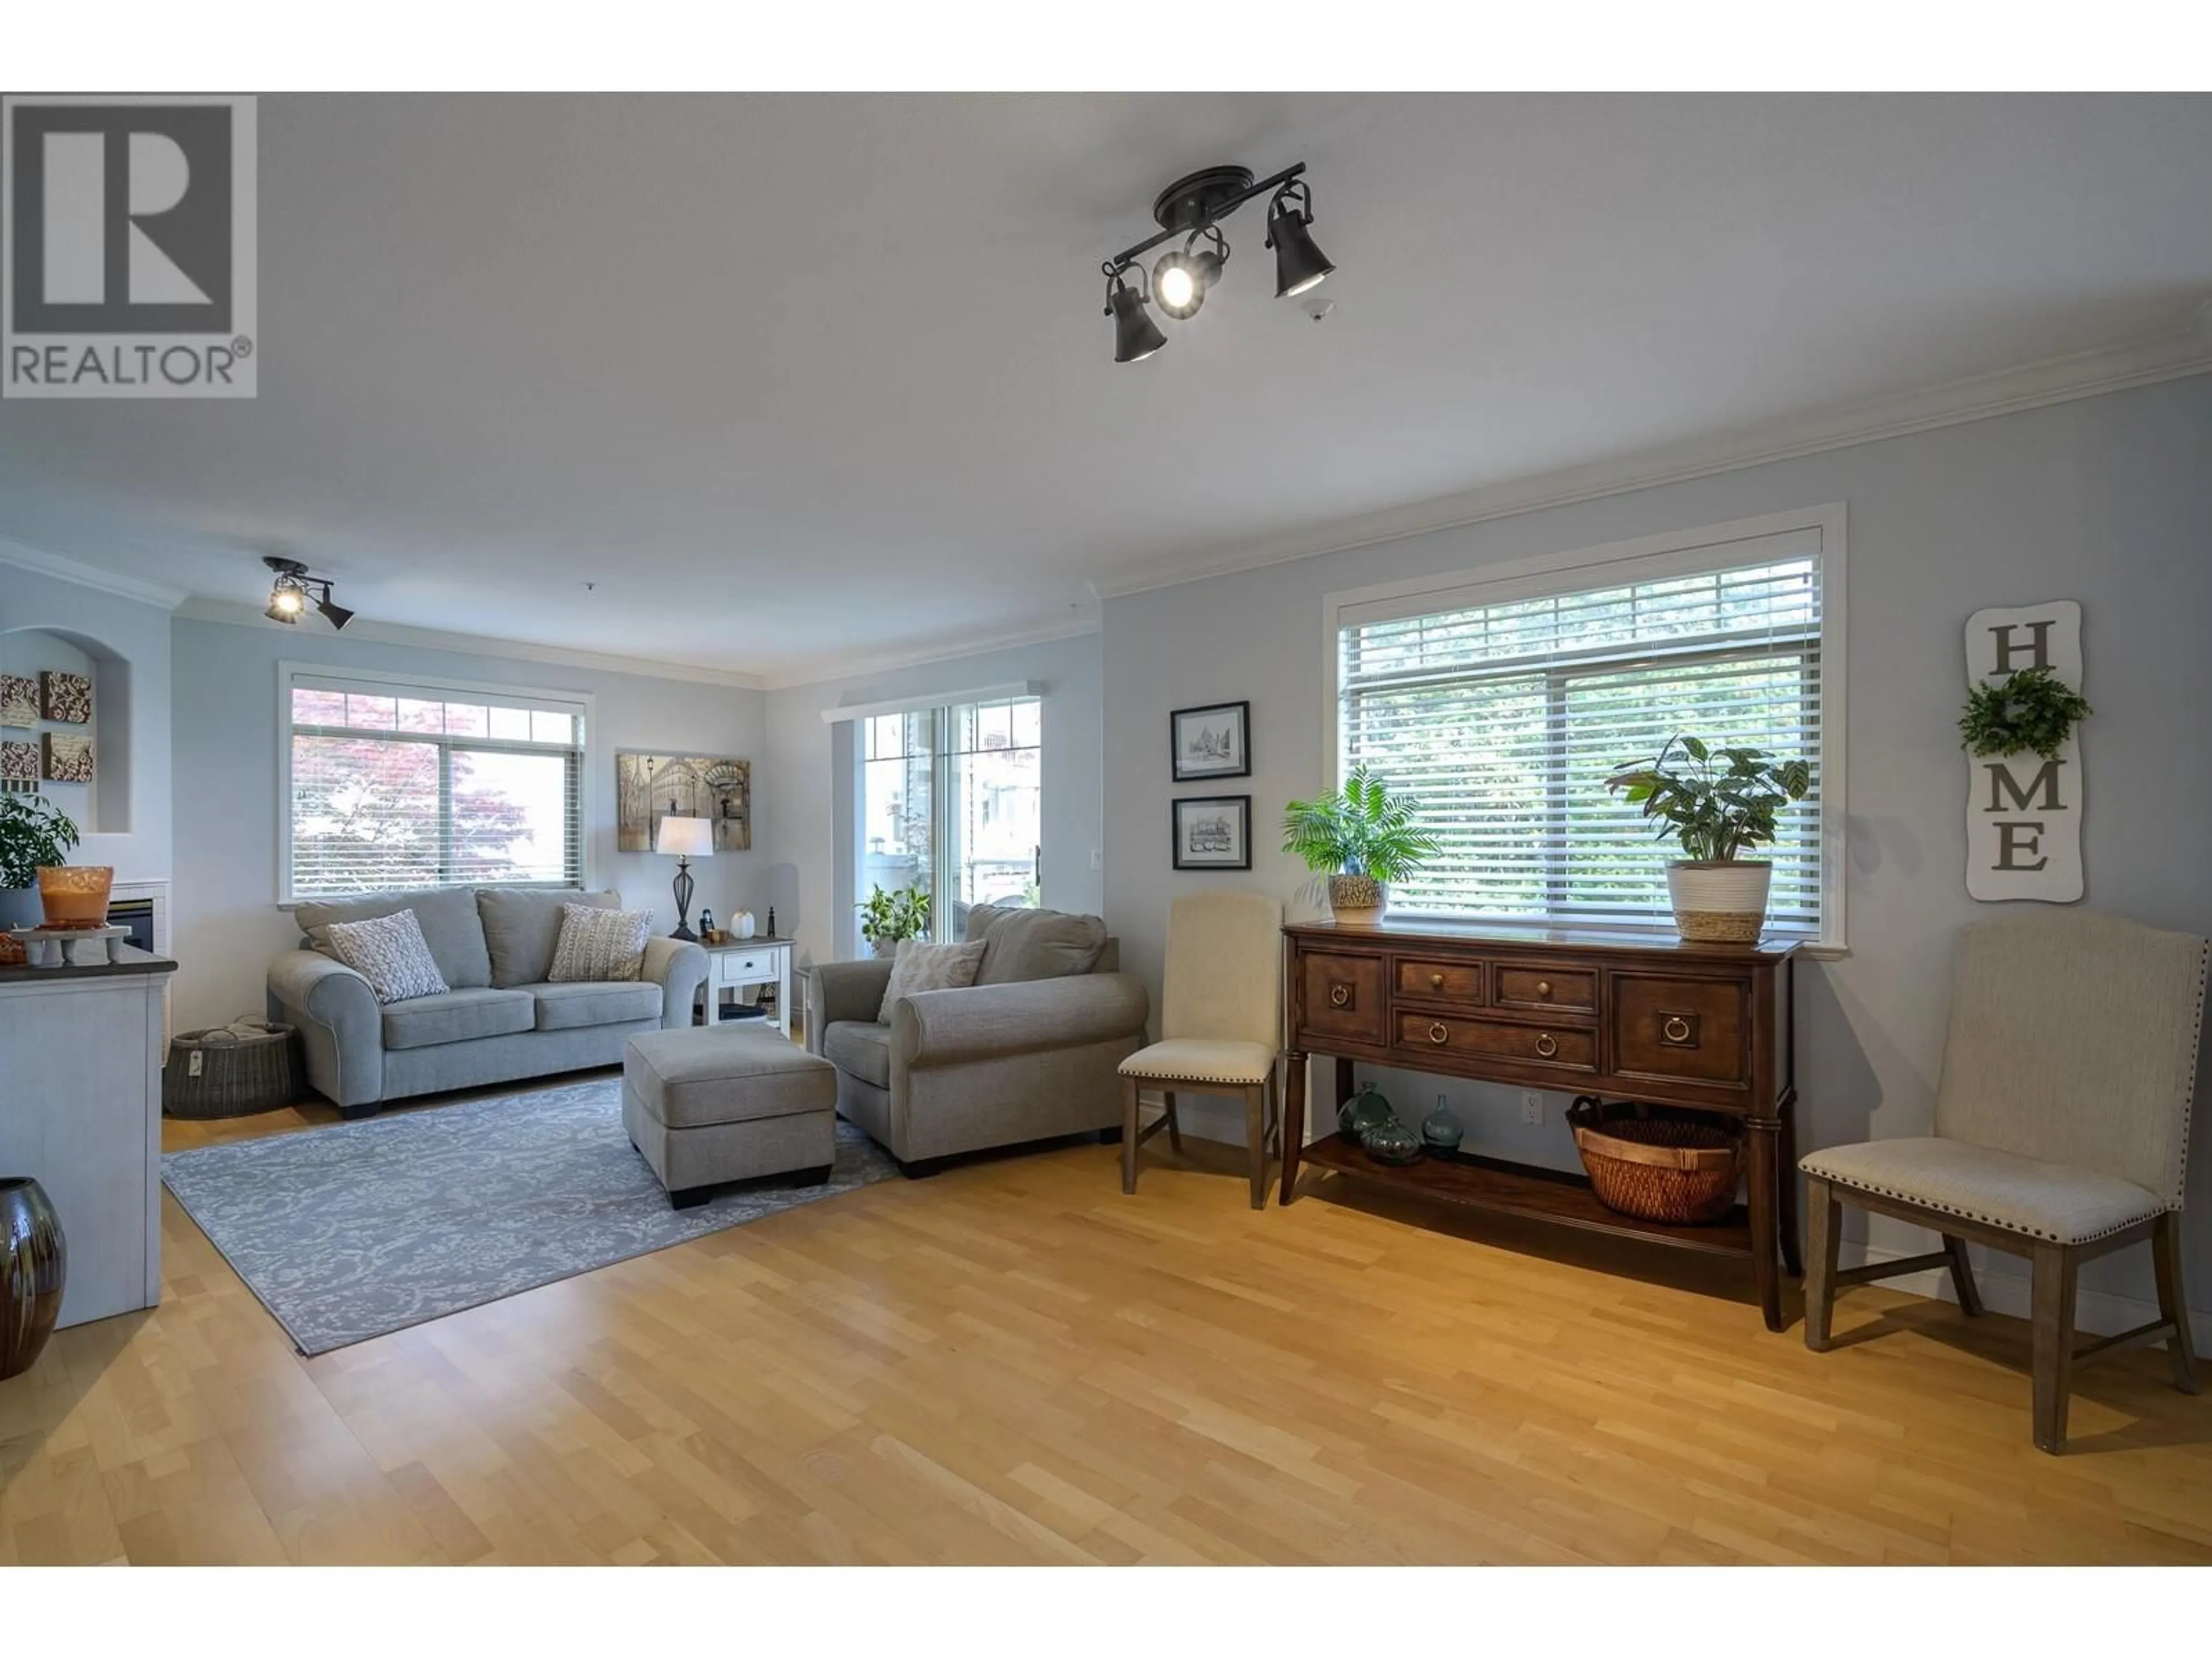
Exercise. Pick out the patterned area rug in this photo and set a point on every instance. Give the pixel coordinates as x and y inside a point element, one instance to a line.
<point>349,1232</point>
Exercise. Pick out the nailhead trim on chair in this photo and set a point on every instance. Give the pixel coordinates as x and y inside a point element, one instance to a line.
<point>2189,1098</point>
<point>1192,1074</point>
<point>1918,1202</point>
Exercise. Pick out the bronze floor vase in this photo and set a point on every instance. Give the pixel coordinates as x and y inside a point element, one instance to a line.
<point>33,1264</point>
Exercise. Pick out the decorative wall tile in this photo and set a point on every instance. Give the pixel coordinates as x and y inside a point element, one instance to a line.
<point>69,760</point>
<point>19,766</point>
<point>19,700</point>
<point>68,697</point>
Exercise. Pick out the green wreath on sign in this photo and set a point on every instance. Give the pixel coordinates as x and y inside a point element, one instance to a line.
<point>2033,710</point>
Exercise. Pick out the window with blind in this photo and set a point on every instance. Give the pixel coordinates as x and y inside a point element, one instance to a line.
<point>396,782</point>
<point>1504,707</point>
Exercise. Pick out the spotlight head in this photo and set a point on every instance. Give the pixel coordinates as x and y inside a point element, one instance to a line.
<point>283,606</point>
<point>1299,265</point>
<point>1136,336</point>
<point>1181,279</point>
<point>336,614</point>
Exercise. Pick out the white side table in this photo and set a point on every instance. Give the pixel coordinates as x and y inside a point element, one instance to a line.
<point>739,965</point>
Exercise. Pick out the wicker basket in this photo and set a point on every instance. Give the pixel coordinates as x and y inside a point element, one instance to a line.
<point>231,1070</point>
<point>1655,1163</point>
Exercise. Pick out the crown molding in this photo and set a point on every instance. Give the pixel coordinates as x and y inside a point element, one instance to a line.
<point>820,670</point>
<point>480,645</point>
<point>76,571</point>
<point>2009,391</point>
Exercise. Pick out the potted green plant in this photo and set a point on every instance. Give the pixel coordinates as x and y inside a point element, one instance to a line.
<point>1362,838</point>
<point>1717,803</point>
<point>34,832</point>
<point>887,918</point>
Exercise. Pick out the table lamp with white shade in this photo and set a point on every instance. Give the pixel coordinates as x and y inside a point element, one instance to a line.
<point>688,839</point>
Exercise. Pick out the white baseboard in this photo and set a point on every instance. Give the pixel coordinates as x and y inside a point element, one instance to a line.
<point>2099,1313</point>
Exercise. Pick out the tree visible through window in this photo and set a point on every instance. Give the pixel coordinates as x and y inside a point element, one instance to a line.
<point>417,787</point>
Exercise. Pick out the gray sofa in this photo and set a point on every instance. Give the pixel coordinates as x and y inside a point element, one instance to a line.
<point>500,1019</point>
<point>1028,1053</point>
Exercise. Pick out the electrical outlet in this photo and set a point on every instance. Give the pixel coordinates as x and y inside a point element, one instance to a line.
<point>1532,1106</point>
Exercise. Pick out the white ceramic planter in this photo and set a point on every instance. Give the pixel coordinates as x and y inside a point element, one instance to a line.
<point>1720,904</point>
<point>1357,901</point>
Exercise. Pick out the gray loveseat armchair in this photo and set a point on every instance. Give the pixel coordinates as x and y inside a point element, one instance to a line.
<point>500,1019</point>
<point>1028,1053</point>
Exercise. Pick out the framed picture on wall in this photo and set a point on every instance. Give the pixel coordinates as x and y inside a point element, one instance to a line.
<point>1212,742</point>
<point>1213,832</point>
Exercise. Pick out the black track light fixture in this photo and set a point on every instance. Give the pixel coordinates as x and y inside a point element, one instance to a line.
<point>294,590</point>
<point>1191,207</point>
<point>1136,335</point>
<point>1299,265</point>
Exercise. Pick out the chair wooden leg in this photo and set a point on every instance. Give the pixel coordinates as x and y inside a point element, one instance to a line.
<point>1128,1135</point>
<point>1962,1274</point>
<point>2053,1337</point>
<point>1823,1235</point>
<point>1255,1141</point>
<point>1175,1123</point>
<point>2166,1255</point>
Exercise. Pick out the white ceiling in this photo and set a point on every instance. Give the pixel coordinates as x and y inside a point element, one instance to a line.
<point>796,377</point>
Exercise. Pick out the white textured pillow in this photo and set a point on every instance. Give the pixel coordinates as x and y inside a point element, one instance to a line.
<point>920,967</point>
<point>390,953</point>
<point>596,944</point>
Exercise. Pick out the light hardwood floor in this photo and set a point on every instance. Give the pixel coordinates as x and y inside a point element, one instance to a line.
<point>1014,1362</point>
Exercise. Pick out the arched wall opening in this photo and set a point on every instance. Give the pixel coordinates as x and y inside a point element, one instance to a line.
<point>100,806</point>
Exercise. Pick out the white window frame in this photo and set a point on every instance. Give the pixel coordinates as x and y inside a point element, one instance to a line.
<point>289,673</point>
<point>1616,563</point>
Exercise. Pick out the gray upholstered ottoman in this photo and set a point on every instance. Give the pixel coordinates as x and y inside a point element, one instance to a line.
<point>706,1103</point>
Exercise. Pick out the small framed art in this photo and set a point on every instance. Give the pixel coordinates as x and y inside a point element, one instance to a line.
<point>1212,742</point>
<point>1213,832</point>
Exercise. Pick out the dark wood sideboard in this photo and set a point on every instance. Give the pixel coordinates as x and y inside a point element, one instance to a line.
<point>1627,1016</point>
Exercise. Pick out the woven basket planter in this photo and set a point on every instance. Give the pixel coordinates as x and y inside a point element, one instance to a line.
<point>231,1070</point>
<point>1674,1168</point>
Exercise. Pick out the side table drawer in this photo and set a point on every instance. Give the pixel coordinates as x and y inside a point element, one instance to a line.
<point>747,967</point>
<point>1342,996</point>
<point>1690,1031</point>
<point>1572,1048</point>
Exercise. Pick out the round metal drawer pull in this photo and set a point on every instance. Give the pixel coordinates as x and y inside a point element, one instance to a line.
<point>1340,995</point>
<point>1439,1032</point>
<point>1543,987</point>
<point>1678,1028</point>
<point>1437,982</point>
<point>1547,1044</point>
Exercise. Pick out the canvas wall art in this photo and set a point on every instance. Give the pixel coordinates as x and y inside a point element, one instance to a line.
<point>648,787</point>
<point>19,700</point>
<point>69,760</point>
<point>19,766</point>
<point>68,697</point>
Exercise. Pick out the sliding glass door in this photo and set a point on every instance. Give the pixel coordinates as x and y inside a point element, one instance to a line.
<point>951,803</point>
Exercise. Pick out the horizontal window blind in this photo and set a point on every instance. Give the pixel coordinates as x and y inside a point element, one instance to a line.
<point>1506,718</point>
<point>400,784</point>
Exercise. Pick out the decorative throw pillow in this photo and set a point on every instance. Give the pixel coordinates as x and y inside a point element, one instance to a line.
<point>920,967</point>
<point>390,953</point>
<point>596,944</point>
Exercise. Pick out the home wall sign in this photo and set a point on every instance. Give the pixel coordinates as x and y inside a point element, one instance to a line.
<point>2024,810</point>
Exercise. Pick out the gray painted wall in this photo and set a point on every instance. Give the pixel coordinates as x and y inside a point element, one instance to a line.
<point>812,815</point>
<point>2107,500</point>
<point>225,920</point>
<point>126,645</point>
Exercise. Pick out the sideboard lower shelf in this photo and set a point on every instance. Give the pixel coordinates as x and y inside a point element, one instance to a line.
<point>1552,1195</point>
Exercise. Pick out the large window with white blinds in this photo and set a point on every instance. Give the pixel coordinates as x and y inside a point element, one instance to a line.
<point>394,782</point>
<point>1504,704</point>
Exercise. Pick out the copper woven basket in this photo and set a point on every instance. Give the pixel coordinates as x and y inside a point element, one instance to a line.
<point>1670,1169</point>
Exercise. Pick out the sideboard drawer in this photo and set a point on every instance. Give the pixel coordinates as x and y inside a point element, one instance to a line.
<point>1570,1049</point>
<point>1541,988</point>
<point>1440,981</point>
<point>1342,997</point>
<point>1688,1029</point>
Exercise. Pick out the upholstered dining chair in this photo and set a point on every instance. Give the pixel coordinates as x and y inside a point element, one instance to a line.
<point>1220,1022</point>
<point>2062,1132</point>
